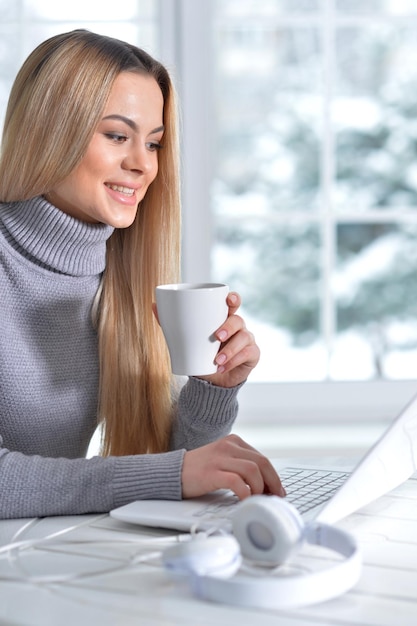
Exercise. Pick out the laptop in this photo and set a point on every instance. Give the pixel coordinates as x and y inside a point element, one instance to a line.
<point>323,494</point>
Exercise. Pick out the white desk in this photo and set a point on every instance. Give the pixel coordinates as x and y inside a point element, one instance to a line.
<point>135,593</point>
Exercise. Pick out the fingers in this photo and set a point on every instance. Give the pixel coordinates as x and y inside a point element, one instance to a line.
<point>238,344</point>
<point>233,301</point>
<point>229,463</point>
<point>255,469</point>
<point>232,325</point>
<point>238,353</point>
<point>238,339</point>
<point>244,478</point>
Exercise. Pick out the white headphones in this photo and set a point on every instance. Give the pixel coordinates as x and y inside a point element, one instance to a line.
<point>267,530</point>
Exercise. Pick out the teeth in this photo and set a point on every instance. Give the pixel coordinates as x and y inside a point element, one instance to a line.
<point>127,190</point>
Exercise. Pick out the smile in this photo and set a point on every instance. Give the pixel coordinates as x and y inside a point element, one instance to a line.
<point>128,191</point>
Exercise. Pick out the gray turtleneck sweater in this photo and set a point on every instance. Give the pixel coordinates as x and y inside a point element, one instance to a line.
<point>50,268</point>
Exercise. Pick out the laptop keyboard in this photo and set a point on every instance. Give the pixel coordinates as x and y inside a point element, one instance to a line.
<point>306,488</point>
<point>309,488</point>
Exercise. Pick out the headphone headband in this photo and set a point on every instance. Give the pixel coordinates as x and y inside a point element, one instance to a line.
<point>275,593</point>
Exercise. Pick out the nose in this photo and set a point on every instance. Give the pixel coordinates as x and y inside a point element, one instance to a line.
<point>140,159</point>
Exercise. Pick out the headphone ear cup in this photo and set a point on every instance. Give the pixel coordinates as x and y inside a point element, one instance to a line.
<point>209,556</point>
<point>268,529</point>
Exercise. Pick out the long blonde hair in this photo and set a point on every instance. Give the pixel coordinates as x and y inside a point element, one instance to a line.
<point>54,107</point>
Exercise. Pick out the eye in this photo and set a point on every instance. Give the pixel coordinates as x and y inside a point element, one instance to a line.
<point>154,146</point>
<point>116,137</point>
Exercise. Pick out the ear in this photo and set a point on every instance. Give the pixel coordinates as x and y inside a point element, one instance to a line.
<point>155,311</point>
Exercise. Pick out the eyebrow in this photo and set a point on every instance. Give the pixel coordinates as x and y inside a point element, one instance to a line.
<point>131,123</point>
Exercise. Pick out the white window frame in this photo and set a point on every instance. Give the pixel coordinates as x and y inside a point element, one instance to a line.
<point>185,45</point>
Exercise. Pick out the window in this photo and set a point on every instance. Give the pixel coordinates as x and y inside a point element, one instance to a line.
<point>300,178</point>
<point>305,180</point>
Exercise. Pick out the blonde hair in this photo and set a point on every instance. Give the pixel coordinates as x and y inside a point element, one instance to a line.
<point>54,107</point>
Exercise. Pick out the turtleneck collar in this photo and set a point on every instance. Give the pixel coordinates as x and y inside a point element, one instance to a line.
<point>54,239</point>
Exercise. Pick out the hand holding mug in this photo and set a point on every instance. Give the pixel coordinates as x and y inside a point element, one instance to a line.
<point>238,353</point>
<point>205,336</point>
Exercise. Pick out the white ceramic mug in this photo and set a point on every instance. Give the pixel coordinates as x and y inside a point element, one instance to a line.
<point>189,315</point>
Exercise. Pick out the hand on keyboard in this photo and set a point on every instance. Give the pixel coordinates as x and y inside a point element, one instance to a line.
<point>229,463</point>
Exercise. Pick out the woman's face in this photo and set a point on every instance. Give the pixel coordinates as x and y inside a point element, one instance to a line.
<point>122,158</point>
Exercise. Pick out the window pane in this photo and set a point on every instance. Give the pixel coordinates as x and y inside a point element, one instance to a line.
<point>375,7</point>
<point>276,269</point>
<point>9,11</point>
<point>9,47</point>
<point>93,10</point>
<point>267,142</point>
<point>249,8</point>
<point>269,111</point>
<point>374,284</point>
<point>375,117</point>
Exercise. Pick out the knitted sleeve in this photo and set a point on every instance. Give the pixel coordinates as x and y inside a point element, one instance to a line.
<point>36,486</point>
<point>205,413</point>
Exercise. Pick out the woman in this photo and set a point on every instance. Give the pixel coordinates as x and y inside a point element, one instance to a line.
<point>89,225</point>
